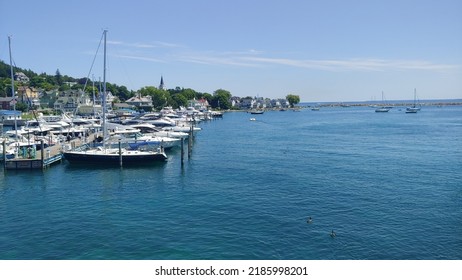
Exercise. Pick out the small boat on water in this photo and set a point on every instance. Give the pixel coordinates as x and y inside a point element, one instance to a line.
<point>414,109</point>
<point>383,108</point>
<point>150,129</point>
<point>256,111</point>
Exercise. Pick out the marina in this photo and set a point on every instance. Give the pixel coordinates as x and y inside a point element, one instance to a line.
<point>49,134</point>
<point>120,150</point>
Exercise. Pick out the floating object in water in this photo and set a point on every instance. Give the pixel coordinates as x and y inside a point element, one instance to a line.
<point>309,221</point>
<point>332,234</point>
<point>252,119</point>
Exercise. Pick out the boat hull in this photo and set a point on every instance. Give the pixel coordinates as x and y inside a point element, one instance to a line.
<point>101,158</point>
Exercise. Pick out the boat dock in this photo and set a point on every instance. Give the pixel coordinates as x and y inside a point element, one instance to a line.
<point>43,158</point>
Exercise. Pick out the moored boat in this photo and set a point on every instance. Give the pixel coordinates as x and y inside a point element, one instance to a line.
<point>103,155</point>
<point>414,109</point>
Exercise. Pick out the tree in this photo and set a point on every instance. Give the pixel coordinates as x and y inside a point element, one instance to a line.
<point>180,100</point>
<point>58,77</point>
<point>159,97</point>
<point>221,99</point>
<point>21,106</point>
<point>124,93</point>
<point>208,97</point>
<point>293,99</point>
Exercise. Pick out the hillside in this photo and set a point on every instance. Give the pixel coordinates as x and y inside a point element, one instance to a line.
<point>53,82</point>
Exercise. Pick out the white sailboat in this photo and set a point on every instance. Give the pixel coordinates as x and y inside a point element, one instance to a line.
<point>414,109</point>
<point>383,108</point>
<point>103,155</point>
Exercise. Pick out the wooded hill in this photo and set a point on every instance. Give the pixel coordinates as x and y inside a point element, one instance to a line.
<point>170,97</point>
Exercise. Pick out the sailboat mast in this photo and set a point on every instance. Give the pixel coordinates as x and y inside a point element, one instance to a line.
<point>12,89</point>
<point>94,100</point>
<point>104,91</point>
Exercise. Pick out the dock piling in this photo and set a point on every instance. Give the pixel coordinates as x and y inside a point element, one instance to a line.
<point>42,153</point>
<point>4,153</point>
<point>120,154</point>
<point>182,151</point>
<point>190,141</point>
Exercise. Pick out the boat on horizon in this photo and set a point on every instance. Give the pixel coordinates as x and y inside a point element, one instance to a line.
<point>256,111</point>
<point>383,108</point>
<point>414,109</point>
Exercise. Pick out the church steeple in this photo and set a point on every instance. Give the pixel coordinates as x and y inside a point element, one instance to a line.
<point>161,85</point>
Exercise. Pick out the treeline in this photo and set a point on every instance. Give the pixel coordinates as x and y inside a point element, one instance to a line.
<point>171,97</point>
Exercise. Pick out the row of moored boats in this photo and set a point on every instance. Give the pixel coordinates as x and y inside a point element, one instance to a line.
<point>139,138</point>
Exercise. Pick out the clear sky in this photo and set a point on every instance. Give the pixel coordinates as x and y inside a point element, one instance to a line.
<point>330,50</point>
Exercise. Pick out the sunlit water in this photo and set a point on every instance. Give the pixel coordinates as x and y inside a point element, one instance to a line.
<point>389,185</point>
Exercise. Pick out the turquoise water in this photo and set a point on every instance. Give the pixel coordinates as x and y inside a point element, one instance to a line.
<point>390,185</point>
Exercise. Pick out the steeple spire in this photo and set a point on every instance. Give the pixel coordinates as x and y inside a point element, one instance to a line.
<point>161,86</point>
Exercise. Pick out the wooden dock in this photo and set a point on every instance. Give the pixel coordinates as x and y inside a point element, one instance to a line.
<point>45,157</point>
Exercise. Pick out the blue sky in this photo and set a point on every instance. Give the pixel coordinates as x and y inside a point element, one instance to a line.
<point>329,50</point>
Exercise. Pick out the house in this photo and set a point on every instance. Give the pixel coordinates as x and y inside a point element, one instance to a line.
<point>144,103</point>
<point>28,95</point>
<point>21,77</point>
<point>235,101</point>
<point>247,103</point>
<point>259,102</point>
<point>109,100</point>
<point>7,103</point>
<point>123,106</point>
<point>9,115</point>
<point>48,98</point>
<point>201,104</point>
<point>69,100</point>
<point>11,118</point>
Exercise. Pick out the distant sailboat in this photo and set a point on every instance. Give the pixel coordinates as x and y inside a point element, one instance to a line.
<point>414,109</point>
<point>104,155</point>
<point>256,111</point>
<point>383,108</point>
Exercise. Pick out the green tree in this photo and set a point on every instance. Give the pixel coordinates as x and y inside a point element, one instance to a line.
<point>188,93</point>
<point>21,106</point>
<point>221,99</point>
<point>58,78</point>
<point>208,97</point>
<point>36,81</point>
<point>7,87</point>
<point>47,86</point>
<point>180,100</point>
<point>159,97</point>
<point>124,93</point>
<point>293,99</point>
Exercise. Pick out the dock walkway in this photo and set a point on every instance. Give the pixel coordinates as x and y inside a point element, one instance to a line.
<point>45,156</point>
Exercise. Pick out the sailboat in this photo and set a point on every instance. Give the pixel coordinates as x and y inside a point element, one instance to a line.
<point>383,108</point>
<point>414,109</point>
<point>14,143</point>
<point>106,155</point>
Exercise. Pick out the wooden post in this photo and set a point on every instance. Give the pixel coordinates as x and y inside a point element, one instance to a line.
<point>4,153</point>
<point>182,151</point>
<point>42,153</point>
<point>120,153</point>
<point>190,142</point>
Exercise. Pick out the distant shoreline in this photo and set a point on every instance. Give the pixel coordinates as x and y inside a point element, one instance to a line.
<point>395,103</point>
